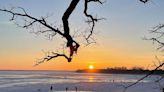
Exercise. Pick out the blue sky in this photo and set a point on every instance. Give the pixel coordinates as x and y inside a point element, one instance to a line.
<point>127,22</point>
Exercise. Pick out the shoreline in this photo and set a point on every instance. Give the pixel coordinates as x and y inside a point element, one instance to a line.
<point>119,71</point>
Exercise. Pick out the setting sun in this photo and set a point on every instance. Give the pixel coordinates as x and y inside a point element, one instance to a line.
<point>91,67</point>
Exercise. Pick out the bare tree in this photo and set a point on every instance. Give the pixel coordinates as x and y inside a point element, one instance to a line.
<point>158,35</point>
<point>71,43</point>
<point>142,78</point>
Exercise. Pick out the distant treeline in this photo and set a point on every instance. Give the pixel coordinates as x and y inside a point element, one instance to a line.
<point>120,70</point>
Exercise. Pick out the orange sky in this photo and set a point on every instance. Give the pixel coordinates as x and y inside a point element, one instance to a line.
<point>96,55</point>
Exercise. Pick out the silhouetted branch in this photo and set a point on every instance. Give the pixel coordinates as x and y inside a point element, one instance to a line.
<point>90,17</point>
<point>49,57</point>
<point>156,28</point>
<point>150,73</point>
<point>95,1</point>
<point>73,46</point>
<point>33,20</point>
<point>159,34</point>
<point>144,1</point>
<point>158,80</point>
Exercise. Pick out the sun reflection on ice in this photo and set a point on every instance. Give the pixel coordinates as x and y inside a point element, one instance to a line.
<point>91,79</point>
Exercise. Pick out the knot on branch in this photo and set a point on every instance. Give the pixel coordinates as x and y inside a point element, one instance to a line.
<point>144,1</point>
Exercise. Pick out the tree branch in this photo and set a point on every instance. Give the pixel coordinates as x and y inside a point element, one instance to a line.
<point>144,1</point>
<point>150,73</point>
<point>50,57</point>
<point>159,34</point>
<point>90,17</point>
<point>34,20</point>
<point>71,43</point>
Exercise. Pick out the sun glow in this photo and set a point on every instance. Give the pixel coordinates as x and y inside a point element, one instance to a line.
<point>91,67</point>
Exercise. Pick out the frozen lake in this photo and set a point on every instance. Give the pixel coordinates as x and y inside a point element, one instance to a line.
<point>41,81</point>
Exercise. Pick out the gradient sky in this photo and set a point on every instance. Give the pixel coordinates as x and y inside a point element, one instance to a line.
<point>119,37</point>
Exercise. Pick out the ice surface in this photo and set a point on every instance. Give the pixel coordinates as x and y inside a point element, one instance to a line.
<point>41,81</point>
